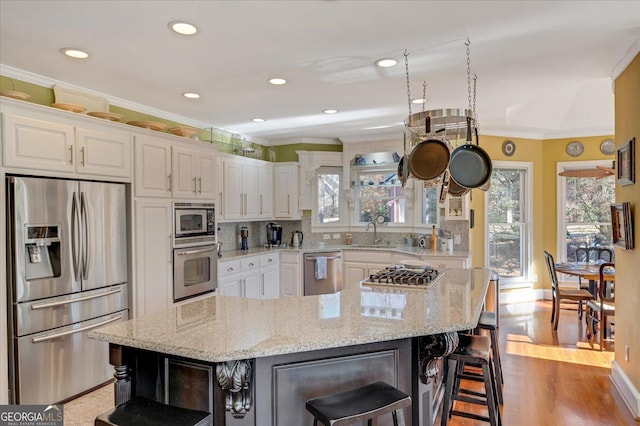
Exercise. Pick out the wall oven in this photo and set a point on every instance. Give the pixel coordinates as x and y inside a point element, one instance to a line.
<point>195,258</point>
<point>195,271</point>
<point>193,224</point>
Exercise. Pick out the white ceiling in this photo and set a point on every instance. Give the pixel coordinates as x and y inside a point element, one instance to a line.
<point>544,68</point>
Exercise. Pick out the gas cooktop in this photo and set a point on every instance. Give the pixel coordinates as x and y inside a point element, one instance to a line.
<point>401,276</point>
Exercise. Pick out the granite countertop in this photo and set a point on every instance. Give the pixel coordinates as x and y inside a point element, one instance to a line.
<point>233,254</point>
<point>223,328</point>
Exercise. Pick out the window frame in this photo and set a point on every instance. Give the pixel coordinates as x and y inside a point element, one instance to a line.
<point>343,224</point>
<point>392,169</point>
<point>526,280</point>
<point>561,247</point>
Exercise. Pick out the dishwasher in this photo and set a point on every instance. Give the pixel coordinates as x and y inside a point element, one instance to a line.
<point>320,280</point>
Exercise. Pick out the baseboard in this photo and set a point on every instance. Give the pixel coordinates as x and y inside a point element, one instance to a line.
<point>626,389</point>
<point>521,295</point>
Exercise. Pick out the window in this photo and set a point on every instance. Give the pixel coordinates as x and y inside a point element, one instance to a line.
<point>430,205</point>
<point>328,192</point>
<point>508,209</point>
<point>584,209</point>
<point>380,193</point>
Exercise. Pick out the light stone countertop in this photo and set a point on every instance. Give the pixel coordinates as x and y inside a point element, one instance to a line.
<point>234,254</point>
<point>224,328</point>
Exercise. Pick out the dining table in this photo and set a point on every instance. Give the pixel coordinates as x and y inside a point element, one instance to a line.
<point>588,271</point>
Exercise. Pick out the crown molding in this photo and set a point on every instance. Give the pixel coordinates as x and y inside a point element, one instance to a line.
<point>48,82</point>
<point>626,60</point>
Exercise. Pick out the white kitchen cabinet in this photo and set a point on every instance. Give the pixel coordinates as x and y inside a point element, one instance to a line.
<point>358,265</point>
<point>153,283</point>
<point>193,174</point>
<point>455,208</point>
<point>290,274</point>
<point>286,191</point>
<point>265,192</point>
<point>254,277</point>
<point>36,144</point>
<point>243,195</point>
<point>152,160</point>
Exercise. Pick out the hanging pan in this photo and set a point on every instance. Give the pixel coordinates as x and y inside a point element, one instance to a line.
<point>457,190</point>
<point>470,165</point>
<point>429,159</point>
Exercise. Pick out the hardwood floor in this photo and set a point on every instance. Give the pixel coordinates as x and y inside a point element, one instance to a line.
<point>550,378</point>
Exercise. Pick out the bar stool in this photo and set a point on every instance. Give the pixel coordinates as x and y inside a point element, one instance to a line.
<point>356,405</point>
<point>488,321</point>
<point>144,412</point>
<point>472,351</point>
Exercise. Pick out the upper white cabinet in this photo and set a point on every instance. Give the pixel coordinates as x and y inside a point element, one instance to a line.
<point>265,192</point>
<point>247,189</point>
<point>286,191</point>
<point>455,208</point>
<point>38,144</point>
<point>193,173</point>
<point>152,167</point>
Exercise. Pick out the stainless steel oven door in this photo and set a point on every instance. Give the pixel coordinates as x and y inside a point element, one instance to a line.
<point>195,271</point>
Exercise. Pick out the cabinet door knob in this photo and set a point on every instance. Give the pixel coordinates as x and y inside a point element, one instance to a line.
<point>229,269</point>
<point>71,154</point>
<point>82,156</point>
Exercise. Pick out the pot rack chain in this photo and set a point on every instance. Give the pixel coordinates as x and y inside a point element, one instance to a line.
<point>468,44</point>
<point>406,65</point>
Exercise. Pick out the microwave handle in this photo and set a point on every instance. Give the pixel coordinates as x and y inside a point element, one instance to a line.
<point>186,252</point>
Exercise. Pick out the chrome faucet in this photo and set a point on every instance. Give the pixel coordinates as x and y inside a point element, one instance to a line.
<point>376,240</point>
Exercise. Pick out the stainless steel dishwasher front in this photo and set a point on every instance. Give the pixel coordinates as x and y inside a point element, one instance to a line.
<point>313,282</point>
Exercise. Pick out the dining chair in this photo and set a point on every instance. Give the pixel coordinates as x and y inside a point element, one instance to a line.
<point>592,254</point>
<point>600,309</point>
<point>563,293</point>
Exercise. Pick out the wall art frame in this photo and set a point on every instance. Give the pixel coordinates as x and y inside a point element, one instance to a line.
<point>622,225</point>
<point>627,163</point>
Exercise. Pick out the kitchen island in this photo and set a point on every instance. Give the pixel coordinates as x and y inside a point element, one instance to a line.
<point>255,362</point>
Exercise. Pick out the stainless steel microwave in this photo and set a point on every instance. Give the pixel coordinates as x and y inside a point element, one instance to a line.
<point>194,223</point>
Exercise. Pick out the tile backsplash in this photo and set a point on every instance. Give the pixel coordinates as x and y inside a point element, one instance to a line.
<point>229,234</point>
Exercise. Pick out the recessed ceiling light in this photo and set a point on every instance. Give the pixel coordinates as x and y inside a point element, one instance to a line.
<point>258,120</point>
<point>75,53</point>
<point>329,111</point>
<point>191,95</point>
<point>419,101</point>
<point>386,62</point>
<point>183,28</point>
<point>277,81</point>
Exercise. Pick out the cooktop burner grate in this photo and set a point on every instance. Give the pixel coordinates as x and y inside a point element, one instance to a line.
<point>406,277</point>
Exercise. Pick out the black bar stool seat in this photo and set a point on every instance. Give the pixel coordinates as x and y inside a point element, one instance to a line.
<point>144,412</point>
<point>488,321</point>
<point>356,405</point>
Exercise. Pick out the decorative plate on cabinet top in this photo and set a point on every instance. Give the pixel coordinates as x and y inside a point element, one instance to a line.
<point>608,146</point>
<point>111,116</point>
<point>69,107</point>
<point>575,148</point>
<point>15,95</point>
<point>151,125</point>
<point>187,132</point>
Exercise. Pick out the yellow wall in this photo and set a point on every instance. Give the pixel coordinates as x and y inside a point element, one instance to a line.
<point>627,108</point>
<point>544,154</point>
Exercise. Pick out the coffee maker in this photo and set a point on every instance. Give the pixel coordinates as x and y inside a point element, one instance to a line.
<point>274,234</point>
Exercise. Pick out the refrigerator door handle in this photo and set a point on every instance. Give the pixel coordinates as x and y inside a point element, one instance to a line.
<point>79,299</point>
<point>77,330</point>
<point>75,231</point>
<point>85,235</point>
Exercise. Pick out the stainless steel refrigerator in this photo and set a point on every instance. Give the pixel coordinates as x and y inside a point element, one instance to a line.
<point>67,263</point>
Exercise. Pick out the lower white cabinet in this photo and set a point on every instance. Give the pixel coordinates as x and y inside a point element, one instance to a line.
<point>358,265</point>
<point>290,274</point>
<point>153,287</point>
<point>256,277</point>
